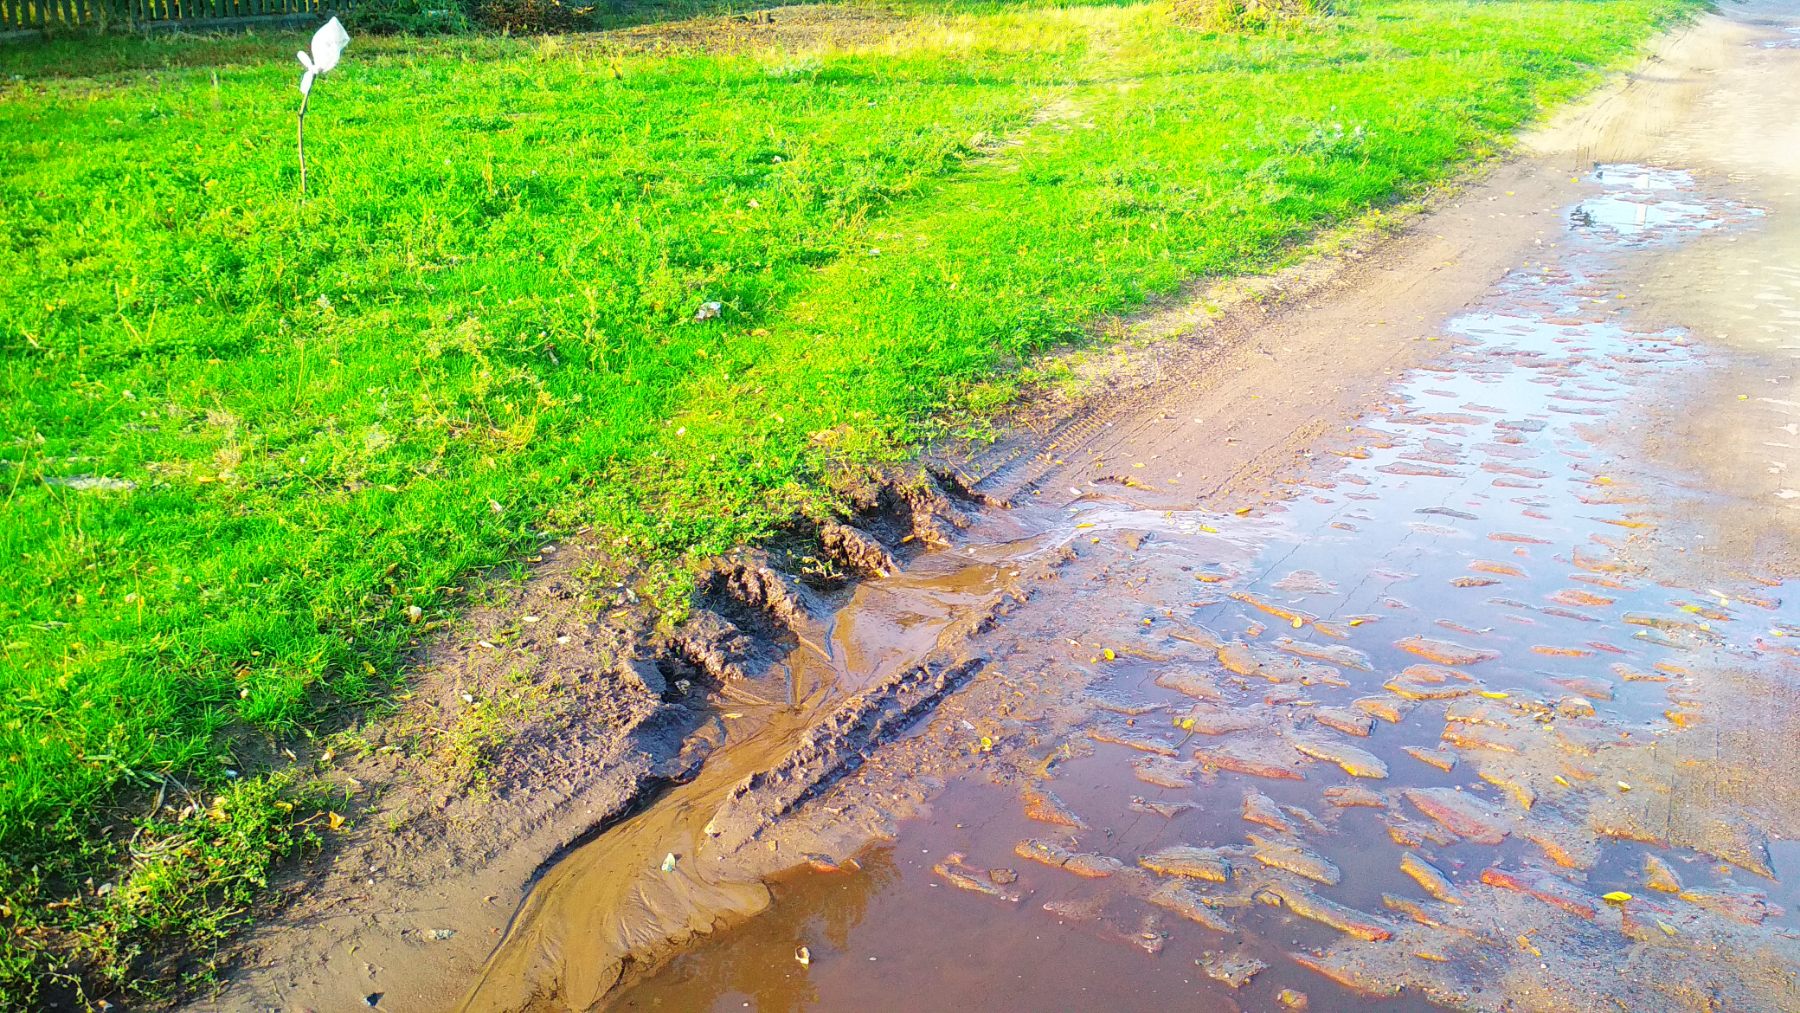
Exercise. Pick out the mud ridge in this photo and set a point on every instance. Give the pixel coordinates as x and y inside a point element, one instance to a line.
<point>747,611</point>
<point>899,510</point>
<point>599,721</point>
<point>835,746</point>
<point>754,583</point>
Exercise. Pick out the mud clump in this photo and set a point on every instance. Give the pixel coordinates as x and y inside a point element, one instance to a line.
<point>1188,862</point>
<point>1079,863</point>
<point>1290,856</point>
<point>958,873</point>
<point>753,584</point>
<point>1329,913</point>
<point>716,647</point>
<point>857,550</point>
<point>1043,806</point>
<point>903,509</point>
<point>1189,904</point>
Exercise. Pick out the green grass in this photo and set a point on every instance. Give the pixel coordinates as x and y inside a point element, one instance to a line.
<point>478,330</point>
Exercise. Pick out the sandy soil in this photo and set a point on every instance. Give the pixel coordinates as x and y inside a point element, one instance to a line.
<point>1257,410</point>
<point>1731,433</point>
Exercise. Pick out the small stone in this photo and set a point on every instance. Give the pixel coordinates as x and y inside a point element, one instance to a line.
<point>1575,707</point>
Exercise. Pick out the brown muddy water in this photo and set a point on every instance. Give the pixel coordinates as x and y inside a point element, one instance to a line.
<point>1429,733</point>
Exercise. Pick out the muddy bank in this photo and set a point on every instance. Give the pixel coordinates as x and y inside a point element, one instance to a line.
<point>526,724</point>
<point>699,855</point>
<point>559,708</point>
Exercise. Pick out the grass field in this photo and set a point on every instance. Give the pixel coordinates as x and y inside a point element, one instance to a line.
<point>241,435</point>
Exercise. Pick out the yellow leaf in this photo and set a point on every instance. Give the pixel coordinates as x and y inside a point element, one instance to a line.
<point>1616,897</point>
<point>1494,694</point>
<point>334,820</point>
<point>1110,656</point>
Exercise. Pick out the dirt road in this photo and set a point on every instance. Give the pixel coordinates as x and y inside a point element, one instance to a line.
<point>1424,636</point>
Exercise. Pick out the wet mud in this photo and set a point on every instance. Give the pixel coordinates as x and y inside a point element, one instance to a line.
<point>1426,733</point>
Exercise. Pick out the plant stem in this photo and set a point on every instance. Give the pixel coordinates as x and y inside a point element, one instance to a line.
<point>300,142</point>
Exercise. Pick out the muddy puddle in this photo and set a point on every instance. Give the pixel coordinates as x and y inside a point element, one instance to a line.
<point>1425,735</point>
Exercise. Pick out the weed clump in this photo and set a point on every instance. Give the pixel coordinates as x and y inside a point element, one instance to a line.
<point>408,17</point>
<point>454,17</point>
<point>1249,15</point>
<point>529,17</point>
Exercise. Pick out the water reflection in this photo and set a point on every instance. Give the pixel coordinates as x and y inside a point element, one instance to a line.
<point>756,964</point>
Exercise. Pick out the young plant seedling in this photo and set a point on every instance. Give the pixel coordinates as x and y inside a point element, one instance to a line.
<point>327,45</point>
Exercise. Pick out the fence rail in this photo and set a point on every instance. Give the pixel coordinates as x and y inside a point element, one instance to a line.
<point>52,14</point>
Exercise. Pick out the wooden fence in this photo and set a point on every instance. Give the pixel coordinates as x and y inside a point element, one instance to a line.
<point>53,14</point>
